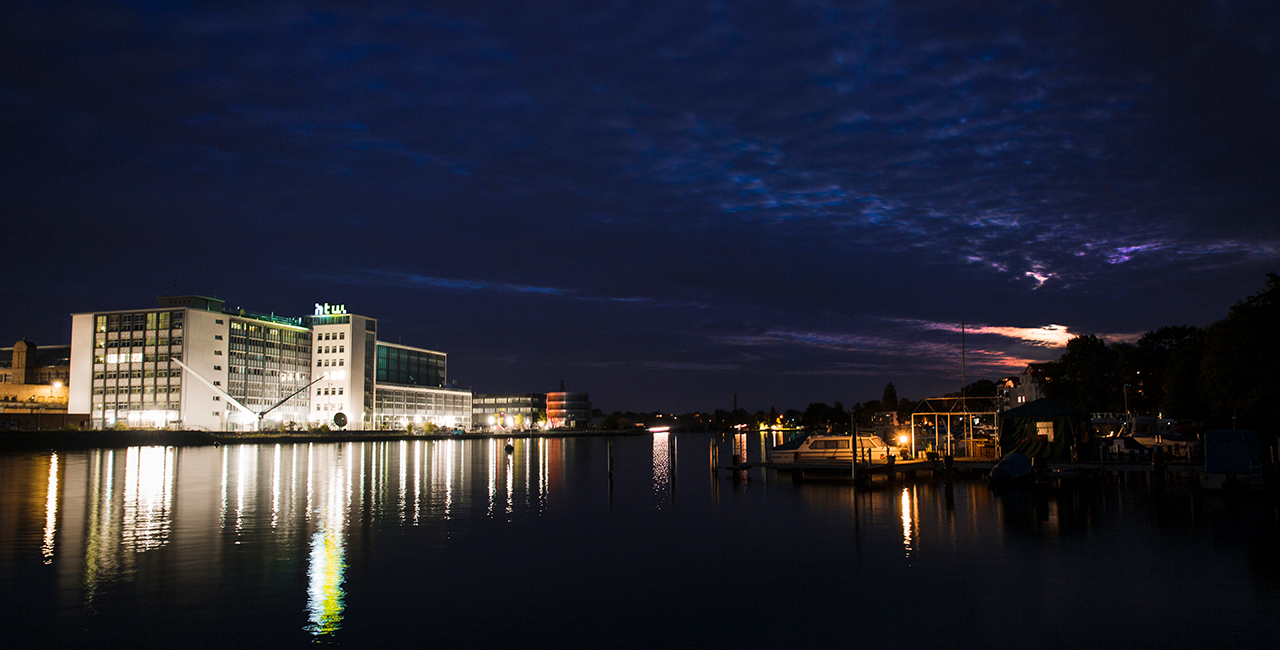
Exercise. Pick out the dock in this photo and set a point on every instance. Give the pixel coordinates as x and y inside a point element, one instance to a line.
<point>956,467</point>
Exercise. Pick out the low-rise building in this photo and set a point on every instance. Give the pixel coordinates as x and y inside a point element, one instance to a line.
<point>1023,388</point>
<point>509,410</point>
<point>34,384</point>
<point>568,410</point>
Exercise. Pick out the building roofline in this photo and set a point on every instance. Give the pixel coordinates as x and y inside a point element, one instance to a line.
<point>409,347</point>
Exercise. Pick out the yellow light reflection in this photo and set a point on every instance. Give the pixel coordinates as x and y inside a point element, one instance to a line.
<point>148,496</point>
<point>50,511</point>
<point>510,481</point>
<point>102,557</point>
<point>908,522</point>
<point>325,597</point>
<point>326,573</point>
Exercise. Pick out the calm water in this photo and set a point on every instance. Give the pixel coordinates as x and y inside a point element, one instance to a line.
<point>460,544</point>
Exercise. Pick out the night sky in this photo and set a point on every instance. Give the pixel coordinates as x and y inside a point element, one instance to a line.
<point>661,203</point>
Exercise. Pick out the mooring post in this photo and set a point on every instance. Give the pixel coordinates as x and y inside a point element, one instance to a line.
<point>610,444</point>
<point>671,464</point>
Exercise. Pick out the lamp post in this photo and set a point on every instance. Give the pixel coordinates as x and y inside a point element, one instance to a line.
<point>55,386</point>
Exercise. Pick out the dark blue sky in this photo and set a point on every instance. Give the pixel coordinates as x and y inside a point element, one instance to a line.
<point>662,203</point>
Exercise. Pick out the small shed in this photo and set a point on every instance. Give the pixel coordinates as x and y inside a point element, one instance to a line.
<point>1232,451</point>
<point>1044,429</point>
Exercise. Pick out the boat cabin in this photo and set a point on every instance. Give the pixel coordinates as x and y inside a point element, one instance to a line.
<point>830,449</point>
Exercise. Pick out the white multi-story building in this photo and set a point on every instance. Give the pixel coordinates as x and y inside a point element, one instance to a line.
<point>193,364</point>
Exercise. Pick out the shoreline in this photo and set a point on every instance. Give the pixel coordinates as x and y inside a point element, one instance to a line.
<point>111,439</point>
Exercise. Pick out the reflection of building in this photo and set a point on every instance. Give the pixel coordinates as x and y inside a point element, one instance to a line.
<point>571,410</point>
<point>523,410</point>
<point>33,385</point>
<point>194,364</point>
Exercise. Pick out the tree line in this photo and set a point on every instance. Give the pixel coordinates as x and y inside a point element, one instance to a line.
<point>1222,376</point>
<point>818,416</point>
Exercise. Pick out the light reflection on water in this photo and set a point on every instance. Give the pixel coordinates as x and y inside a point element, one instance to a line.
<point>661,466</point>
<point>349,542</point>
<point>907,531</point>
<point>50,510</point>
<point>327,565</point>
<point>148,497</point>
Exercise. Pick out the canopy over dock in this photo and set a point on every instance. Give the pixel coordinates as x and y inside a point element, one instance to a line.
<point>1044,429</point>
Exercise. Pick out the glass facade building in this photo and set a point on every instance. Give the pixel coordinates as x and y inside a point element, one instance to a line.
<point>193,364</point>
<point>407,366</point>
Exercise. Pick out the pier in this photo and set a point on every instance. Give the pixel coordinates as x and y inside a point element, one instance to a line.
<point>956,467</point>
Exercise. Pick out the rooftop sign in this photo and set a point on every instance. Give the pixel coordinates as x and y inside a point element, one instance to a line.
<point>325,309</point>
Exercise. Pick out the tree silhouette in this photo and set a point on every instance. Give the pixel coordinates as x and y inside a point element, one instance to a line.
<point>889,400</point>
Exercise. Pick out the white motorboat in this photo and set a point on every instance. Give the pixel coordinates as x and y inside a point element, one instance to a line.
<point>830,449</point>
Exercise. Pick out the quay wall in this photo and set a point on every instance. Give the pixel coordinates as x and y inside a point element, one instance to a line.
<point>35,440</point>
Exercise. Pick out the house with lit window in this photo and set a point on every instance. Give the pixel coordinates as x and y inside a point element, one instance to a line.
<point>1024,388</point>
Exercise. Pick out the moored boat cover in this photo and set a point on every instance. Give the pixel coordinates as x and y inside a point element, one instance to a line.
<point>1043,429</point>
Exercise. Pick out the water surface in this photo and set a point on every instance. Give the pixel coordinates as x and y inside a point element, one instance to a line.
<point>459,543</point>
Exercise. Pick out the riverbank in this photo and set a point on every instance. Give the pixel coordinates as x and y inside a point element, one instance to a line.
<point>29,440</point>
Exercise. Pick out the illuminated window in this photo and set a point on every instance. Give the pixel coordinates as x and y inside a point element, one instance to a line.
<point>1045,429</point>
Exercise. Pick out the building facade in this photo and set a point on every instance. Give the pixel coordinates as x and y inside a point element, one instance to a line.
<point>193,364</point>
<point>34,384</point>
<point>509,410</point>
<point>568,410</point>
<point>411,390</point>
<point>1024,388</point>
